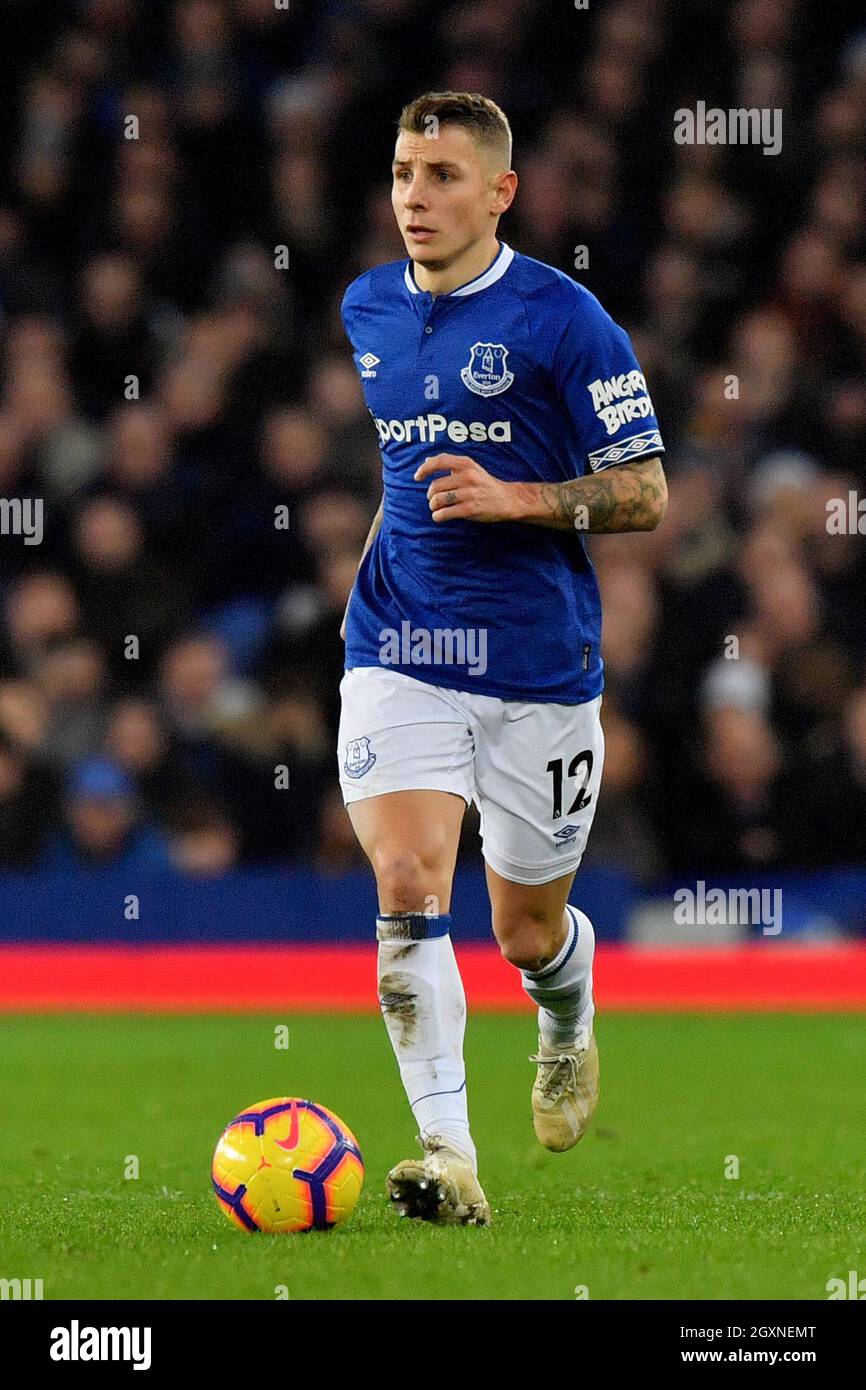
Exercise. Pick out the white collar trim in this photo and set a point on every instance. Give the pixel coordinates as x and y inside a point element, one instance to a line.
<point>488,277</point>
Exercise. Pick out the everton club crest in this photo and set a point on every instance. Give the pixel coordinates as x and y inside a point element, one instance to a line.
<point>487,374</point>
<point>359,759</point>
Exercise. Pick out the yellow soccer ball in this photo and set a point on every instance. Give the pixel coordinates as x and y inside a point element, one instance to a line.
<point>287,1165</point>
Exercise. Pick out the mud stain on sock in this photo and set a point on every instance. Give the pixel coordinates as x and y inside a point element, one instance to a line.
<point>403,952</point>
<point>400,1005</point>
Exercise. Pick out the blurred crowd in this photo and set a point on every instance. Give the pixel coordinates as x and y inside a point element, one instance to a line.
<point>174,369</point>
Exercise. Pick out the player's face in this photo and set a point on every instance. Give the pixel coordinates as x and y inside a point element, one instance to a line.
<point>445,195</point>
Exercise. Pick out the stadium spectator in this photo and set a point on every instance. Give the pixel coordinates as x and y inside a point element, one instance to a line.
<point>103,827</point>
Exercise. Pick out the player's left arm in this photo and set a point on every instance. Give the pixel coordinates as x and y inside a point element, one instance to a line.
<point>624,497</point>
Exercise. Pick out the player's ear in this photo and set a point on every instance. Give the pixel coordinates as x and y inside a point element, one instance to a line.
<point>505,187</point>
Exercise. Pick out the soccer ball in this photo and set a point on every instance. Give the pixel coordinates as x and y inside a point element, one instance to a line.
<point>287,1165</point>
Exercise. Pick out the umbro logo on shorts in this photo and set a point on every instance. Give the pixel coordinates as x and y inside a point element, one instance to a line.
<point>566,834</point>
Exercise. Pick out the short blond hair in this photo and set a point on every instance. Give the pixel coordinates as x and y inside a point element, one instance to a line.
<point>486,122</point>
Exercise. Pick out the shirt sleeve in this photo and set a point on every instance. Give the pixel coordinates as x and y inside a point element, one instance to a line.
<point>601,386</point>
<point>353,308</point>
<point>348,310</point>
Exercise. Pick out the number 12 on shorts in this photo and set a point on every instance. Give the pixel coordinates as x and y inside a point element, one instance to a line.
<point>583,798</point>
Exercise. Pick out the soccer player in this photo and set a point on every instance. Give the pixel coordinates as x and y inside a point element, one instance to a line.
<point>513,419</point>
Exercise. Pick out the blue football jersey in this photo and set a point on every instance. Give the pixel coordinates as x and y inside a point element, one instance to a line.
<point>522,370</point>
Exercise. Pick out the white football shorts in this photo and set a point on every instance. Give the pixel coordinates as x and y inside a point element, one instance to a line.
<point>533,770</point>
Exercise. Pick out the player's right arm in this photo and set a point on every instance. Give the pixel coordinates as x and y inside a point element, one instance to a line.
<point>371,536</point>
<point>352,304</point>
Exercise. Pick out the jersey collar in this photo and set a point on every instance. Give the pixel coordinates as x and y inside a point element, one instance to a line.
<point>494,272</point>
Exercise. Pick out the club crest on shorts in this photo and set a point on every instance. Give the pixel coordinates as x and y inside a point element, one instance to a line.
<point>487,374</point>
<point>359,759</point>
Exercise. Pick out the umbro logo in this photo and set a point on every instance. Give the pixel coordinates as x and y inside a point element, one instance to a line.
<point>368,362</point>
<point>566,834</point>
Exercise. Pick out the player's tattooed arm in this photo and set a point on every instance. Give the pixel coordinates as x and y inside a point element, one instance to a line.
<point>624,497</point>
<point>371,536</point>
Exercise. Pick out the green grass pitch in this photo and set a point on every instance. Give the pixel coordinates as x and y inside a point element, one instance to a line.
<point>641,1209</point>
